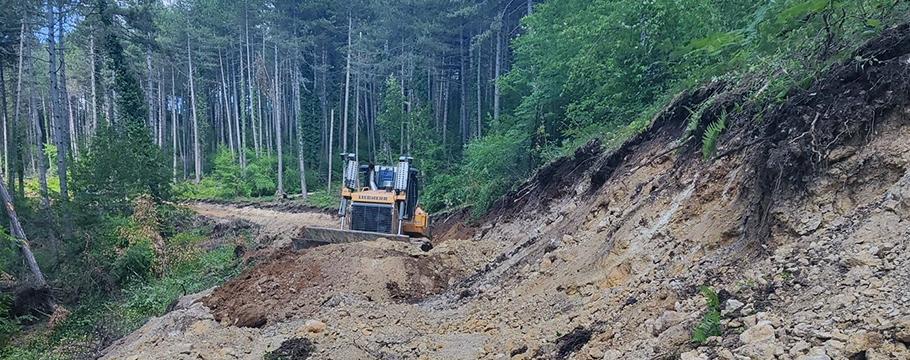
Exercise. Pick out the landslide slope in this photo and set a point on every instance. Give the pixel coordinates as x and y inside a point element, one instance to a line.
<point>800,222</point>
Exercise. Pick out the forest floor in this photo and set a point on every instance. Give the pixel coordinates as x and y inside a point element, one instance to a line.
<point>604,255</point>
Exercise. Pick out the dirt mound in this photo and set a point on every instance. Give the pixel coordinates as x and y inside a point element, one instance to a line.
<point>296,285</point>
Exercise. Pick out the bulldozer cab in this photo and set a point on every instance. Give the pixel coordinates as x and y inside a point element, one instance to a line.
<point>382,199</point>
<point>377,201</point>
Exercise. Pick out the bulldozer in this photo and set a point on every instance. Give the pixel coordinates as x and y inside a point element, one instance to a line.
<point>377,201</point>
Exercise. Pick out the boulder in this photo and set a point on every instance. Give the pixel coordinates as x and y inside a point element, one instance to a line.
<point>862,341</point>
<point>313,327</point>
<point>762,331</point>
<point>693,355</point>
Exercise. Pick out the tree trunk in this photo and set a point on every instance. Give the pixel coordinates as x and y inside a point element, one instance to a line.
<point>3,116</point>
<point>227,108</point>
<point>479,96</point>
<point>249,74</point>
<point>266,125</point>
<point>463,100</point>
<point>8,127</point>
<point>173,104</point>
<point>55,102</point>
<point>244,111</point>
<point>64,93</point>
<point>498,66</point>
<point>298,118</point>
<point>149,86</point>
<point>40,139</point>
<point>347,87</point>
<point>331,131</point>
<point>324,104</point>
<point>19,234</point>
<point>162,113</point>
<point>445,116</point>
<point>276,104</point>
<point>357,117</point>
<point>238,117</point>
<point>197,157</point>
<point>93,76</point>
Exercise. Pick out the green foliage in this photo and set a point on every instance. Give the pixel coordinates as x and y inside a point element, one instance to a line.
<point>392,118</point>
<point>261,175</point>
<point>493,165</point>
<point>8,325</point>
<point>712,133</point>
<point>323,199</point>
<point>119,166</point>
<point>50,155</point>
<point>710,323</point>
<point>194,274</point>
<point>135,263</point>
<point>112,314</point>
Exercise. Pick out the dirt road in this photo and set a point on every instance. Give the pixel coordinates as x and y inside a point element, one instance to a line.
<point>273,227</point>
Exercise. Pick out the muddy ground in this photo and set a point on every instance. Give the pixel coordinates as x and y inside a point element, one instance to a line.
<point>803,234</point>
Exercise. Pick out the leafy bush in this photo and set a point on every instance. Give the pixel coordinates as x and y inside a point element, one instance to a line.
<point>493,165</point>
<point>710,323</point>
<point>119,165</point>
<point>136,262</point>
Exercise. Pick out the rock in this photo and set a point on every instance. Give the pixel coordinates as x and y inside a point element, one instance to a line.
<point>760,342</point>
<point>250,319</point>
<point>903,330</point>
<point>863,258</point>
<point>762,331</point>
<point>903,336</point>
<point>725,354</point>
<point>675,336</point>
<point>862,341</point>
<point>733,305</point>
<point>813,357</point>
<point>613,355</point>
<point>516,348</point>
<point>761,350</point>
<point>693,355</point>
<point>200,328</point>
<point>313,326</point>
<point>834,347</point>
<point>666,320</point>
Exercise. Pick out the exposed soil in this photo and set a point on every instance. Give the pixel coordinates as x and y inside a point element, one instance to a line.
<point>801,224</point>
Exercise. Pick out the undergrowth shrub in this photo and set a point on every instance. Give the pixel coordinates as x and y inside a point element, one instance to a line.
<point>493,165</point>
<point>136,263</point>
<point>9,326</point>
<point>710,323</point>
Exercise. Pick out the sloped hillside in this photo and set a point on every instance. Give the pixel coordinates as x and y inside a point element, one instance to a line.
<point>799,224</point>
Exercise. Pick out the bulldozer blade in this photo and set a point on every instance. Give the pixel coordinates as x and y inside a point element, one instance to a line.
<point>316,236</point>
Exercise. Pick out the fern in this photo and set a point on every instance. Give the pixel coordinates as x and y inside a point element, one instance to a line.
<point>712,133</point>
<point>695,117</point>
<point>710,323</point>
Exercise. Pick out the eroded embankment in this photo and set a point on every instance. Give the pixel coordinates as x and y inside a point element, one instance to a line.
<point>800,222</point>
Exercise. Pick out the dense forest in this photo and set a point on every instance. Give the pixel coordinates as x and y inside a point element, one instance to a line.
<point>114,111</point>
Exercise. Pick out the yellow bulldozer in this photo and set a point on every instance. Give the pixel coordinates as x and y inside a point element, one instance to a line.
<point>376,202</point>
